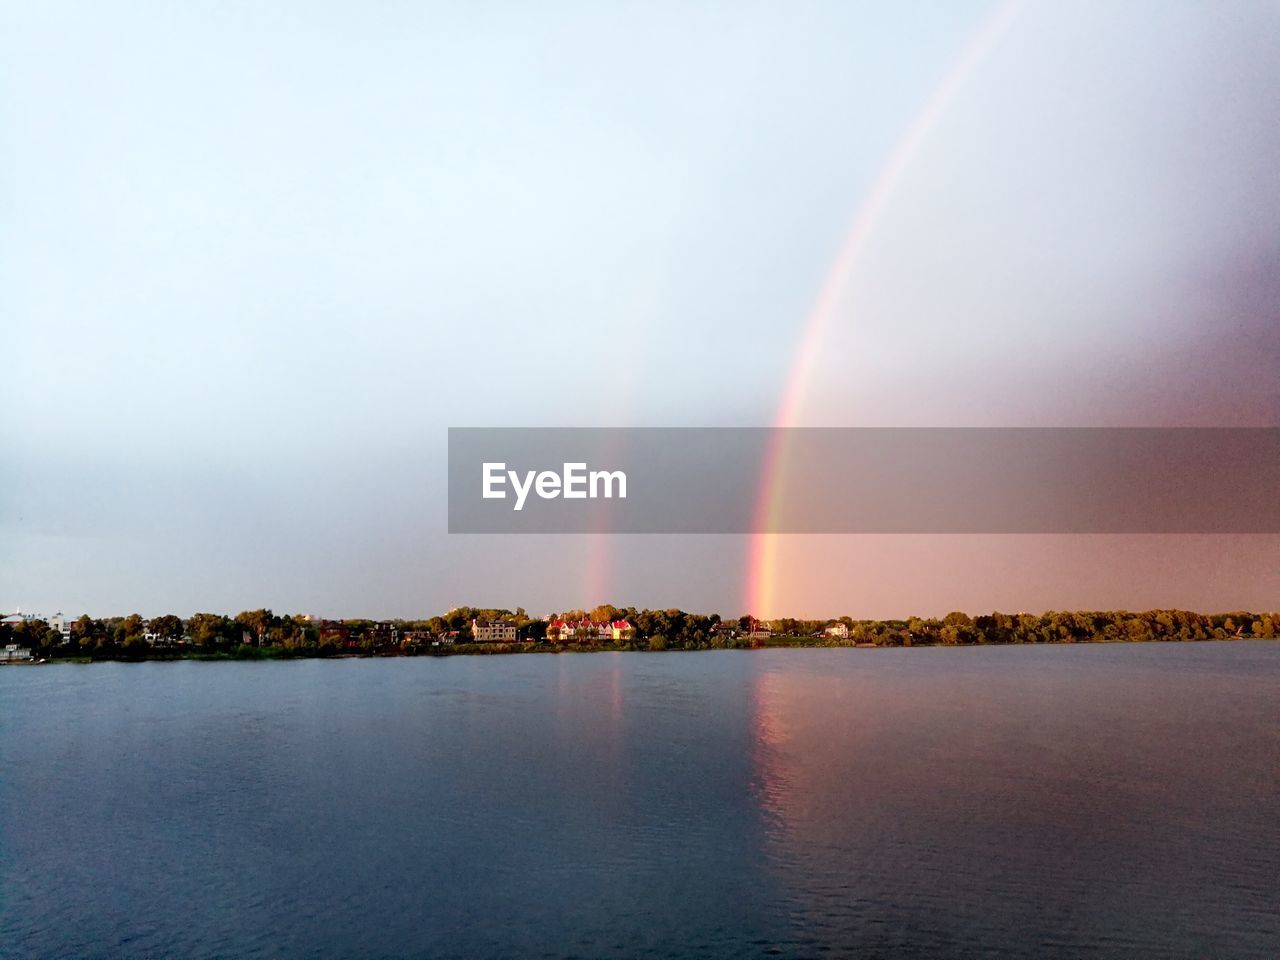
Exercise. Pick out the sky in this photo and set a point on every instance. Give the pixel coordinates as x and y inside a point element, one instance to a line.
<point>255,259</point>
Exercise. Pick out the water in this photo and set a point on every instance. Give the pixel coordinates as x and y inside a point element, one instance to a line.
<point>1034,801</point>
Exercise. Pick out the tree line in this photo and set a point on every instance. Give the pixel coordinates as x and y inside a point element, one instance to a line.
<point>254,632</point>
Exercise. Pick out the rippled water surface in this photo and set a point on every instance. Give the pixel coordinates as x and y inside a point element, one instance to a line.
<point>1034,801</point>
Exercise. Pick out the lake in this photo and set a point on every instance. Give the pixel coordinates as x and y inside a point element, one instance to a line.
<point>1059,801</point>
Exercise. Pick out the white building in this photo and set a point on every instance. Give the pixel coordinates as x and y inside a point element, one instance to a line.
<point>13,652</point>
<point>62,625</point>
<point>837,629</point>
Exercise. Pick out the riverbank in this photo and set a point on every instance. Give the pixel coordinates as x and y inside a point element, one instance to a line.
<point>262,634</point>
<point>508,649</point>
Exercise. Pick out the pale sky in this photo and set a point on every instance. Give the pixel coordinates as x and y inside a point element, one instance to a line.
<point>255,259</point>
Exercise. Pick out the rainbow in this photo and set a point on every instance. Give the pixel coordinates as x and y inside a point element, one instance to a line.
<point>761,586</point>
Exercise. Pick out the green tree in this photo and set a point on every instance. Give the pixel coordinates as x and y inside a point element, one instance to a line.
<point>209,630</point>
<point>166,627</point>
<point>35,635</point>
<point>605,613</point>
<point>84,630</point>
<point>257,622</point>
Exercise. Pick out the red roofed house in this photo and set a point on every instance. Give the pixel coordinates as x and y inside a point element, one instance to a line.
<point>588,631</point>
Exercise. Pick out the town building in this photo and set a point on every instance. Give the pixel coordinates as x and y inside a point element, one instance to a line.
<point>837,629</point>
<point>560,630</point>
<point>493,631</point>
<point>383,635</point>
<point>589,631</point>
<point>153,639</point>
<point>17,619</point>
<point>62,625</point>
<point>334,633</point>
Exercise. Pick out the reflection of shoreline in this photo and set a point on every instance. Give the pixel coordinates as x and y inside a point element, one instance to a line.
<point>494,650</point>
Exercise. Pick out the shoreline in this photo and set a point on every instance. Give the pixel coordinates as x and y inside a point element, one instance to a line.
<point>519,649</point>
<point>465,631</point>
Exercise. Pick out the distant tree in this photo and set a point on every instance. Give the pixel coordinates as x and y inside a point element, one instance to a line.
<point>166,627</point>
<point>605,613</point>
<point>83,630</point>
<point>287,631</point>
<point>36,635</point>
<point>952,634</point>
<point>209,630</point>
<point>257,622</point>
